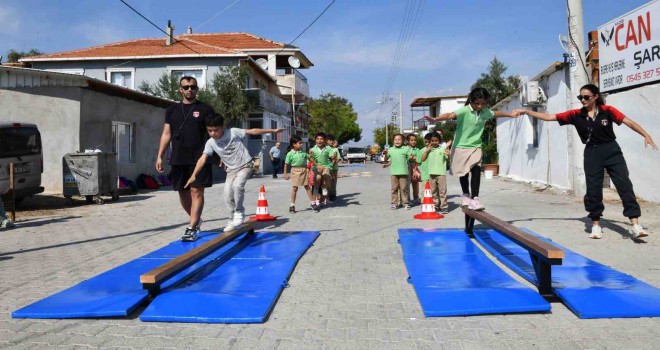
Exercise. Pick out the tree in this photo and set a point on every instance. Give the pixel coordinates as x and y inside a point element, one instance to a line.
<point>333,114</point>
<point>166,87</point>
<point>499,88</point>
<point>379,135</point>
<point>495,82</point>
<point>226,94</point>
<point>448,129</point>
<point>13,55</point>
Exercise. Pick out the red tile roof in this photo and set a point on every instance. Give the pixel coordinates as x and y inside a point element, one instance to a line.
<point>205,44</point>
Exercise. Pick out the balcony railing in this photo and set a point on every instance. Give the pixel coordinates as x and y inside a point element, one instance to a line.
<point>287,78</point>
<point>269,102</point>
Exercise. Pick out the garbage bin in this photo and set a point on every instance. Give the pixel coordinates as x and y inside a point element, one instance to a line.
<point>91,175</point>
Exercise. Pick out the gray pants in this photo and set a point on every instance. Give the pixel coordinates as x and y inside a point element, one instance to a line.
<point>235,188</point>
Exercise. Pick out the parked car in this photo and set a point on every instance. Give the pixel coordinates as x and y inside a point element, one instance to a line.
<point>21,145</point>
<point>356,154</point>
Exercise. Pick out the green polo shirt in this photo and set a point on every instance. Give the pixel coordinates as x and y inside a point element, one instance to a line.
<point>296,158</point>
<point>417,152</point>
<point>335,152</point>
<point>322,156</point>
<point>398,156</point>
<point>470,126</point>
<point>437,161</point>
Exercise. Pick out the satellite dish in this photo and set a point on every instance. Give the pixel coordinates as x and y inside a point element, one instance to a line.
<point>566,44</point>
<point>294,61</point>
<point>263,63</point>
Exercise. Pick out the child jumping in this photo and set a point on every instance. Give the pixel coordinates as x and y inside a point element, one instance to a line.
<point>466,153</point>
<point>436,157</point>
<point>296,160</point>
<point>414,171</point>
<point>397,157</point>
<point>228,144</point>
<point>334,170</point>
<point>321,157</point>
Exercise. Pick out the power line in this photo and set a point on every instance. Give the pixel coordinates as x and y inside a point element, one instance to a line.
<point>217,14</point>
<point>157,27</point>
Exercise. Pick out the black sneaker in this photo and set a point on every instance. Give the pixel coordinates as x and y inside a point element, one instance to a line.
<point>292,209</point>
<point>316,207</point>
<point>190,235</point>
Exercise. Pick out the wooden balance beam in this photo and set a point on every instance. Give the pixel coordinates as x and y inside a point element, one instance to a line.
<point>152,280</point>
<point>543,253</point>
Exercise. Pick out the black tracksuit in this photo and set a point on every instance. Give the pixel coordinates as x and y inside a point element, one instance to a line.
<point>601,153</point>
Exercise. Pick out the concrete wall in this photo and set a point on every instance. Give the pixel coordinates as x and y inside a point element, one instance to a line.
<point>547,163</point>
<point>97,113</point>
<point>145,70</point>
<point>641,105</point>
<point>55,111</point>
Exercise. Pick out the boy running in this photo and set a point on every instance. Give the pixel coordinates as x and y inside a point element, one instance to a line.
<point>296,161</point>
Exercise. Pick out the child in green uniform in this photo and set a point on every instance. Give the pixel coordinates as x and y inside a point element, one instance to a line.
<point>414,172</point>
<point>424,167</point>
<point>321,157</point>
<point>466,153</point>
<point>397,157</point>
<point>334,171</point>
<point>436,157</point>
<point>296,161</point>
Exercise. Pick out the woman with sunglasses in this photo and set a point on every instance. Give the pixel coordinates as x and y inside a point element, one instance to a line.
<point>593,123</point>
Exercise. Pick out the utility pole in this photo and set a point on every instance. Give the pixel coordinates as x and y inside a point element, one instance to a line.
<point>578,78</point>
<point>400,114</point>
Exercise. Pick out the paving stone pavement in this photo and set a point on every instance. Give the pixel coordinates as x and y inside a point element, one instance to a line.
<point>349,291</point>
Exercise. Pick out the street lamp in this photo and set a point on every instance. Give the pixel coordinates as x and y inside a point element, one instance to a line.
<point>387,137</point>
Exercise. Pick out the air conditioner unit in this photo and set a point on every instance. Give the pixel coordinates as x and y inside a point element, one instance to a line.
<point>531,94</point>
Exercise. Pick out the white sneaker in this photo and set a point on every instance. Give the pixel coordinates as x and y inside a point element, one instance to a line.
<point>466,200</point>
<point>475,204</point>
<point>239,218</point>
<point>638,231</point>
<point>596,232</point>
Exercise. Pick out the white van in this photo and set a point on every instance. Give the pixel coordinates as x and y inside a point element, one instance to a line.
<point>20,143</point>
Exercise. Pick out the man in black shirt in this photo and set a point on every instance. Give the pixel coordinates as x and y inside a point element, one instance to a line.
<point>185,132</point>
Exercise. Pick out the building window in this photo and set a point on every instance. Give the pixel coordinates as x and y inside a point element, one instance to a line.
<point>121,76</point>
<point>274,136</point>
<point>255,124</point>
<point>197,72</point>
<point>123,141</point>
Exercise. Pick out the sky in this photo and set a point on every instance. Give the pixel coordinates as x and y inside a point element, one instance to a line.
<point>352,45</point>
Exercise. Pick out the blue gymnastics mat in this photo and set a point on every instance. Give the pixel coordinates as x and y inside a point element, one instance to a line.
<point>241,286</point>
<point>117,292</point>
<point>452,277</point>
<point>589,288</point>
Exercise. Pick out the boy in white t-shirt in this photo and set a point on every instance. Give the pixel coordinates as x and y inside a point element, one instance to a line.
<point>228,144</point>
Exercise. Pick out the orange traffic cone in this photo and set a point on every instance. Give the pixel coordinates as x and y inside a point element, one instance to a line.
<point>262,208</point>
<point>428,207</point>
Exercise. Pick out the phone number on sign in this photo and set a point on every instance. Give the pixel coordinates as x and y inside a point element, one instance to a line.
<point>647,74</point>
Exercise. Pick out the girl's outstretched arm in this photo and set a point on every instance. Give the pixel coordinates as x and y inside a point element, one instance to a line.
<point>537,115</point>
<point>648,141</point>
<point>445,116</point>
<point>499,114</point>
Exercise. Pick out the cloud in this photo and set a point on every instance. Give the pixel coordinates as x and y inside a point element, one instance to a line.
<point>101,32</point>
<point>9,19</point>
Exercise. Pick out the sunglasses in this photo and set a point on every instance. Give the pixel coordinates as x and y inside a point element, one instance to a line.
<point>585,97</point>
<point>186,87</point>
